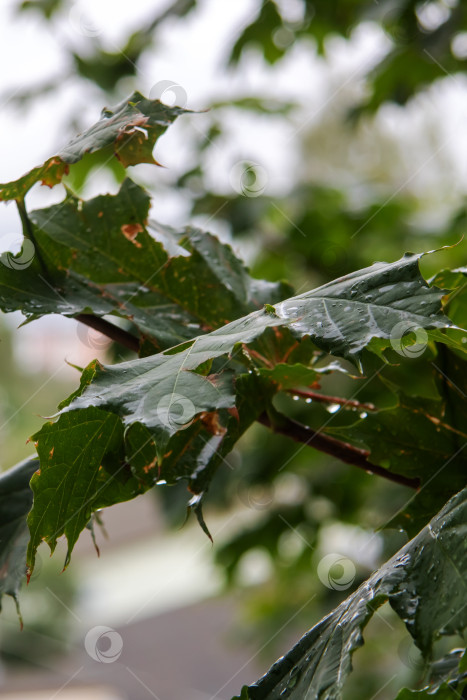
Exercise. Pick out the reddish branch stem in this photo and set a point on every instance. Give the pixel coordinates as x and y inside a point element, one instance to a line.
<point>341,450</point>
<point>322,398</point>
<point>113,332</point>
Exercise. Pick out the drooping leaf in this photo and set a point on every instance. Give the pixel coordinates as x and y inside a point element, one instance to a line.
<point>15,503</point>
<point>127,131</point>
<point>81,464</point>
<point>425,583</point>
<point>331,324</point>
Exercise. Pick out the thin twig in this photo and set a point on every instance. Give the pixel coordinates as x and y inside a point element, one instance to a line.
<point>119,335</point>
<point>322,398</point>
<point>341,450</point>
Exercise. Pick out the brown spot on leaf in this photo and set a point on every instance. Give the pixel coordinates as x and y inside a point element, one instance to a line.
<point>53,172</point>
<point>130,231</point>
<point>212,424</point>
<point>139,120</point>
<point>51,453</point>
<point>234,413</point>
<point>148,467</point>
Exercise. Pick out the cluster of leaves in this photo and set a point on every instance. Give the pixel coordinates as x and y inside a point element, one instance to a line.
<point>419,37</point>
<point>422,36</point>
<point>420,51</point>
<point>217,351</point>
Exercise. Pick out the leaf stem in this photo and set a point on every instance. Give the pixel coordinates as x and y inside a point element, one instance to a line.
<point>325,443</point>
<point>119,335</point>
<point>29,233</point>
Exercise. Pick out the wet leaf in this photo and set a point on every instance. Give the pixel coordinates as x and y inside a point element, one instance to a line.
<point>317,666</point>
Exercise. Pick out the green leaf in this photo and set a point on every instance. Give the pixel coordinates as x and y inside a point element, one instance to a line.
<point>102,256</point>
<point>290,376</point>
<point>127,131</point>
<point>456,301</point>
<point>343,316</point>
<point>317,666</point>
<point>450,279</point>
<point>447,691</point>
<point>46,7</point>
<point>261,32</point>
<point>88,462</point>
<point>107,68</point>
<point>423,438</point>
<point>447,669</point>
<point>15,503</point>
<point>329,323</point>
<point>80,466</point>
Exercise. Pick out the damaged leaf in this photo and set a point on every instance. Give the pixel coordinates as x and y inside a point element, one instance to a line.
<point>127,131</point>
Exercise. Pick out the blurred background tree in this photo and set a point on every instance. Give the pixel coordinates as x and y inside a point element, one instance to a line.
<point>330,135</point>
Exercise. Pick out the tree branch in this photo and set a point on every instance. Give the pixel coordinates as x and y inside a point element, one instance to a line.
<point>341,450</point>
<point>119,335</point>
